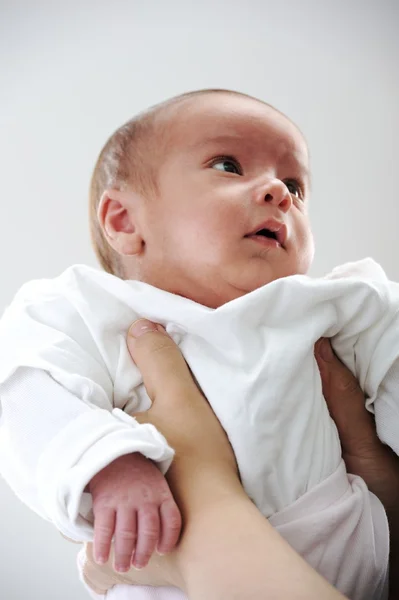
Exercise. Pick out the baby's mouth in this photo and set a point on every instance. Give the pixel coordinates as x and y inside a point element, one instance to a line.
<point>272,230</point>
<point>267,233</point>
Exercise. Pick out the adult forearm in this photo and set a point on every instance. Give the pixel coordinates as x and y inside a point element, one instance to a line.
<point>388,492</point>
<point>247,560</point>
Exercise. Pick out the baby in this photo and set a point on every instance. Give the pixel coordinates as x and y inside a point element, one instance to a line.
<point>199,216</point>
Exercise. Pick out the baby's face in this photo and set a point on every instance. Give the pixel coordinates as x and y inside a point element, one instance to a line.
<point>232,210</point>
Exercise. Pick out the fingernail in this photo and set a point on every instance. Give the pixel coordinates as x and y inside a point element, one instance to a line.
<point>121,568</point>
<point>100,560</point>
<point>325,350</point>
<point>142,326</point>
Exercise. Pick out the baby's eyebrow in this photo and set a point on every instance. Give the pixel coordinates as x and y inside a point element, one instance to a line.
<point>305,171</point>
<point>217,139</point>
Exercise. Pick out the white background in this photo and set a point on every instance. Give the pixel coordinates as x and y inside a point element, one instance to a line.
<point>70,74</point>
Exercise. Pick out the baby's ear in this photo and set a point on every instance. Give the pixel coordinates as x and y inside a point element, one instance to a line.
<point>117,220</point>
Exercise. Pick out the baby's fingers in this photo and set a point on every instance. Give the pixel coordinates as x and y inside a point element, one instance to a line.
<point>125,539</point>
<point>104,526</point>
<point>171,523</point>
<point>148,530</point>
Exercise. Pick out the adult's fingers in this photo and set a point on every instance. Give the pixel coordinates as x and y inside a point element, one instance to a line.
<point>158,359</point>
<point>363,452</point>
<point>346,401</point>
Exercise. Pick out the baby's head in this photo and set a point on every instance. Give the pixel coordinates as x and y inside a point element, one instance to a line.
<point>205,196</point>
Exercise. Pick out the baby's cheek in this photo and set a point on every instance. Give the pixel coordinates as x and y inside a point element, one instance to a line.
<point>307,250</point>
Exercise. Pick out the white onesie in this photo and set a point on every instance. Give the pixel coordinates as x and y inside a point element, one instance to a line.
<point>67,384</point>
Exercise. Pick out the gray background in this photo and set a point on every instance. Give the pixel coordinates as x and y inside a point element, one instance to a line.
<point>69,75</point>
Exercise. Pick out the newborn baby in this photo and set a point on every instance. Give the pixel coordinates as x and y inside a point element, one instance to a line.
<point>199,216</point>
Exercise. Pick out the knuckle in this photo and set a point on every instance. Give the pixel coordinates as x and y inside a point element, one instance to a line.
<point>151,531</point>
<point>149,513</point>
<point>165,493</point>
<point>347,385</point>
<point>159,346</point>
<point>173,520</point>
<point>150,526</point>
<point>163,343</point>
<point>174,523</point>
<point>127,535</point>
<point>165,350</point>
<point>104,530</point>
<point>102,502</point>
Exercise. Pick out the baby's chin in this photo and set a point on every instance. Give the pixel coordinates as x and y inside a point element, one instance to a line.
<point>228,292</point>
<point>252,282</point>
<point>220,287</point>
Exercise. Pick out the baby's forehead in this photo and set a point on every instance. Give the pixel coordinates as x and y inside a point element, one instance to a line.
<point>219,121</point>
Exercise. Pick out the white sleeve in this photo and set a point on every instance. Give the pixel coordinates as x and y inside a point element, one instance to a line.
<point>52,444</point>
<point>58,423</point>
<point>369,343</point>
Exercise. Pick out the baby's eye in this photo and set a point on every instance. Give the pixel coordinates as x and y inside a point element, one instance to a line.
<point>294,188</point>
<point>226,164</point>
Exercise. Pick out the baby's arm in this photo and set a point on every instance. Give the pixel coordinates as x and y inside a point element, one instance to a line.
<point>58,426</point>
<point>35,407</point>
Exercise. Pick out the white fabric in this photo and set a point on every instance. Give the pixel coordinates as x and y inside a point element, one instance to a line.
<point>253,358</point>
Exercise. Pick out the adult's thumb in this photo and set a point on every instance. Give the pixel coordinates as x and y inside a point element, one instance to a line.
<point>158,358</point>
<point>344,397</point>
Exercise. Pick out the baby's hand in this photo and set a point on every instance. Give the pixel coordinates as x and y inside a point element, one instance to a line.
<point>132,502</point>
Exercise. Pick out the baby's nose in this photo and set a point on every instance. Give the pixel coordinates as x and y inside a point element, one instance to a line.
<point>276,193</point>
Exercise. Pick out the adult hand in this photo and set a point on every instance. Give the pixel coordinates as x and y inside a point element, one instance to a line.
<point>173,391</point>
<point>364,454</point>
